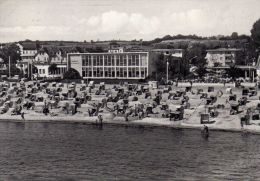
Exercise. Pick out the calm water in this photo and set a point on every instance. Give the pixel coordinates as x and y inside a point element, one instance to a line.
<point>42,151</point>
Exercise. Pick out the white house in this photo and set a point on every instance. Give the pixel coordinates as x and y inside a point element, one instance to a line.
<point>28,50</point>
<point>59,58</point>
<point>173,52</point>
<point>222,57</point>
<point>41,57</point>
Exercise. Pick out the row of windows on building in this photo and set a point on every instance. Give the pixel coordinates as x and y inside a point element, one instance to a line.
<point>58,71</point>
<point>30,51</point>
<point>227,57</point>
<point>114,60</point>
<point>122,72</point>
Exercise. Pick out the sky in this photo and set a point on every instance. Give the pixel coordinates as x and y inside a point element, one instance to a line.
<point>80,20</point>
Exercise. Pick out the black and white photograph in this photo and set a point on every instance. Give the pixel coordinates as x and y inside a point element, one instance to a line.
<point>128,90</point>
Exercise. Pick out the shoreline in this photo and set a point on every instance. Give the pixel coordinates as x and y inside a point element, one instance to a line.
<point>132,124</point>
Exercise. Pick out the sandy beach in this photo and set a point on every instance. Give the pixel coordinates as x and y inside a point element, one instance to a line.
<point>191,115</point>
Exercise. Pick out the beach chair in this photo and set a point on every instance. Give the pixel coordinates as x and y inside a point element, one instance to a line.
<point>130,87</point>
<point>234,108</point>
<point>176,115</point>
<point>146,89</point>
<point>204,118</point>
<point>245,92</point>
<point>139,92</point>
<point>199,91</point>
<point>135,98</point>
<point>237,84</point>
<point>165,90</point>
<point>242,101</point>
<point>255,117</point>
<point>252,92</point>
<point>148,95</point>
<point>164,106</point>
<point>149,109</point>
<point>232,98</point>
<point>212,111</point>
<point>203,96</point>
<point>188,89</point>
<point>210,89</point>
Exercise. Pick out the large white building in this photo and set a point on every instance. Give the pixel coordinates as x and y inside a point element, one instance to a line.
<point>111,65</point>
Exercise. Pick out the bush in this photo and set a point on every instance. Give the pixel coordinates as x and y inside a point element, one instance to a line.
<point>71,74</point>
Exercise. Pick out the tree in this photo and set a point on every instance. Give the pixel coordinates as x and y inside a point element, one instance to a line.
<point>234,35</point>
<point>201,70</point>
<point>196,54</point>
<point>13,71</point>
<point>255,33</point>
<point>11,50</point>
<point>234,72</point>
<point>71,74</point>
<point>79,49</point>
<point>38,44</point>
<point>52,68</point>
<point>159,65</point>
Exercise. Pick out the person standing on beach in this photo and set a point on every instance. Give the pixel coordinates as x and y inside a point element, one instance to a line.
<point>22,115</point>
<point>100,119</point>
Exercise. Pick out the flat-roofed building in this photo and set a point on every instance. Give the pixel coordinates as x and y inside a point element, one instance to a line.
<point>44,72</point>
<point>111,65</point>
<point>223,57</point>
<point>173,52</point>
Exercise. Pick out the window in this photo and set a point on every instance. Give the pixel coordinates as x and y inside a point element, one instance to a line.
<point>143,72</point>
<point>122,60</point>
<point>129,60</point>
<point>86,60</point>
<point>121,72</point>
<point>100,60</point>
<point>112,60</point>
<point>94,60</point>
<point>117,60</point>
<point>108,72</point>
<point>133,60</point>
<point>83,72</point>
<point>143,60</point>
<point>107,60</point>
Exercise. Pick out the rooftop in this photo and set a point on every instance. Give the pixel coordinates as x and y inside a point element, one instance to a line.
<point>224,50</point>
<point>28,46</point>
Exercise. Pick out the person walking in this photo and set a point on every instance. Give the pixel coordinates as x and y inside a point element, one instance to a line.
<point>22,115</point>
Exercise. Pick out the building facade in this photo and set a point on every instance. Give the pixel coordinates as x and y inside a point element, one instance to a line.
<point>27,51</point>
<point>173,52</point>
<point>120,65</point>
<point>59,58</point>
<point>41,57</point>
<point>223,57</point>
<point>44,72</point>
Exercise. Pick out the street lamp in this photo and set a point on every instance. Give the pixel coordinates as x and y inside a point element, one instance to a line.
<point>167,67</point>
